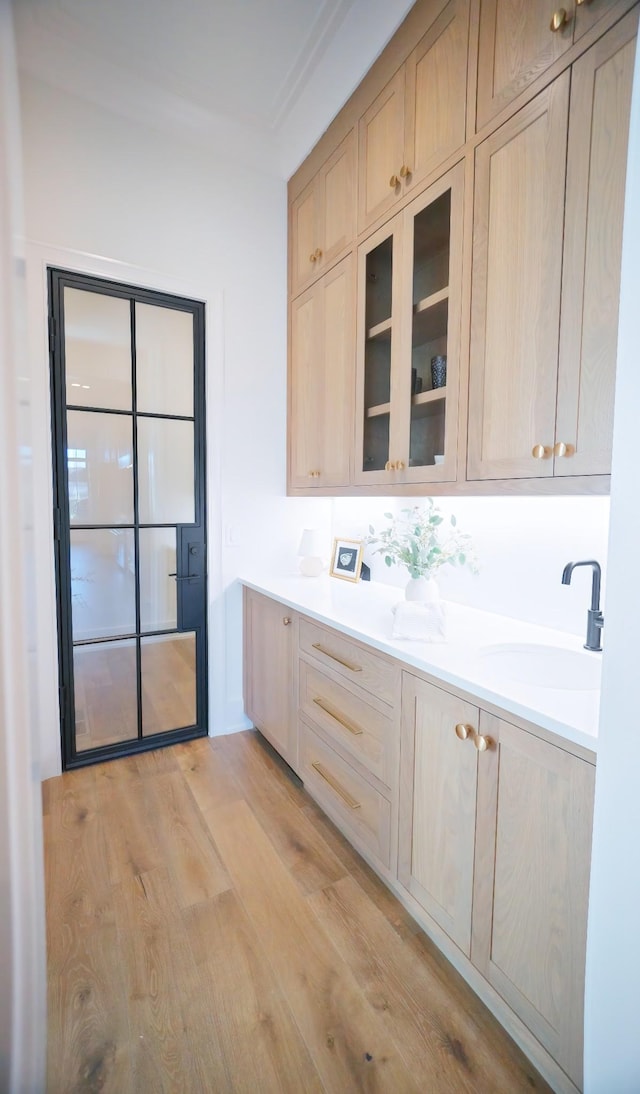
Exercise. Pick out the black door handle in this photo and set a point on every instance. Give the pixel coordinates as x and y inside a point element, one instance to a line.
<point>184,577</point>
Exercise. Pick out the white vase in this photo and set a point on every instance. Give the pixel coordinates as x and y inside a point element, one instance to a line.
<point>423,589</point>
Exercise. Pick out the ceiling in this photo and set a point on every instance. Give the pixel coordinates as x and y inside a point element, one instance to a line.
<point>200,66</point>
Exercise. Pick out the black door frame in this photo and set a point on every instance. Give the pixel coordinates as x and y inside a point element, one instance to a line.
<point>187,535</point>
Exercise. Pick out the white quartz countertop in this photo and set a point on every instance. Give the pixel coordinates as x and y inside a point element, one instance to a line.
<point>364,611</point>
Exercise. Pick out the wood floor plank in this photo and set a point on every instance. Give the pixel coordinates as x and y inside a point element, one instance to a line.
<point>276,802</point>
<point>88,1034</point>
<point>186,843</point>
<point>347,1040</point>
<point>172,1050</point>
<point>206,774</point>
<point>452,1048</point>
<point>128,807</point>
<point>259,1037</point>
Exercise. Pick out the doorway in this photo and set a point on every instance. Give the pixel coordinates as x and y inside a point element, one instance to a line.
<point>128,426</point>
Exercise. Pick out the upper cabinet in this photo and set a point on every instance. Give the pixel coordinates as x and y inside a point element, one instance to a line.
<point>517,270</point>
<point>418,120</point>
<point>546,274</point>
<point>519,39</point>
<point>409,294</point>
<point>322,218</point>
<point>321,381</point>
<point>511,287</point>
<point>601,85</point>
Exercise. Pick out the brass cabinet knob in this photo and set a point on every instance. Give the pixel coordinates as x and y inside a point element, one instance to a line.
<point>286,621</point>
<point>318,253</point>
<point>540,452</point>
<point>399,465</point>
<point>405,171</point>
<point>464,732</point>
<point>559,19</point>
<point>560,449</point>
<point>579,3</point>
<point>313,257</point>
<point>389,466</point>
<point>314,474</point>
<point>394,181</point>
<point>482,743</point>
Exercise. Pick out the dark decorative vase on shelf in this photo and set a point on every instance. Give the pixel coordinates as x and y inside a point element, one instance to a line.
<point>438,371</point>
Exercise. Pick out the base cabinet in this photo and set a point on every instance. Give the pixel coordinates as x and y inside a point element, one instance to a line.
<point>270,640</point>
<point>533,850</point>
<point>438,805</point>
<point>503,828</point>
<point>481,827</point>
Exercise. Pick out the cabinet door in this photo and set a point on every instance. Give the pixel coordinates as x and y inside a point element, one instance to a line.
<point>381,153</point>
<point>269,647</point>
<point>533,852</point>
<point>436,81</point>
<point>305,235</point>
<point>516,281</point>
<point>338,201</point>
<point>322,381</point>
<point>438,805</point>
<point>378,355</point>
<point>516,46</point>
<point>596,170</point>
<point>431,317</point>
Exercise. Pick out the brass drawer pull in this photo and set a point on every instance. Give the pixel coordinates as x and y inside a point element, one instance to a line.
<point>347,665</point>
<point>357,732</point>
<point>335,785</point>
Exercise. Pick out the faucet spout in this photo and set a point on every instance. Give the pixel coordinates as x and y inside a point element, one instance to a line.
<point>595,618</point>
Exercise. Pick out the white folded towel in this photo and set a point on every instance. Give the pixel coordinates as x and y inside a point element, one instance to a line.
<point>420,622</point>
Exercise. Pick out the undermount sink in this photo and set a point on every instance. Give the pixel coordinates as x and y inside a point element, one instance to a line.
<point>544,666</point>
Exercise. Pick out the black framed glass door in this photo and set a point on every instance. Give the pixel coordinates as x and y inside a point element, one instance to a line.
<point>127,385</point>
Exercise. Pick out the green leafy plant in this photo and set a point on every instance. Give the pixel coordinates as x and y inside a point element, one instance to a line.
<point>422,540</point>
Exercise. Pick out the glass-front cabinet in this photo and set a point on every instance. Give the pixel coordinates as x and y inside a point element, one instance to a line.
<point>410,274</point>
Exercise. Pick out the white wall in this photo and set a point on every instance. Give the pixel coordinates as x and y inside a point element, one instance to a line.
<point>522,546</point>
<point>114,198</point>
<point>612,1045</point>
<point>22,936</point>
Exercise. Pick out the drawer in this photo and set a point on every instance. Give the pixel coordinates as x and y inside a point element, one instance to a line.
<point>365,668</point>
<point>355,725</point>
<point>361,812</point>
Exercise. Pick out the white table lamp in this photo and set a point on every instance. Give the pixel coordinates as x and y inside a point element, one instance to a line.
<point>310,553</point>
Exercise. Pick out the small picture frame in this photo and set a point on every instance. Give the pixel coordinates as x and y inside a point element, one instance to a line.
<point>346,559</point>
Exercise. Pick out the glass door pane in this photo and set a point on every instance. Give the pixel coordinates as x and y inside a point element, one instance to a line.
<point>377,356</point>
<point>168,682</point>
<point>430,317</point>
<point>97,334</point>
<point>164,360</point>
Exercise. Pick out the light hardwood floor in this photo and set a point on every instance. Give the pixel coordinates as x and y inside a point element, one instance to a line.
<point>209,930</point>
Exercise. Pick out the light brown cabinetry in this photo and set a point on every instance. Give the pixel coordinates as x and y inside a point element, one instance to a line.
<point>409,307</point>
<point>546,274</point>
<point>418,119</point>
<point>601,83</point>
<point>322,218</point>
<point>495,846</point>
<point>520,39</point>
<point>270,643</point>
<point>517,270</point>
<point>481,827</point>
<point>438,805</point>
<point>533,849</point>
<point>321,382</point>
<point>348,707</point>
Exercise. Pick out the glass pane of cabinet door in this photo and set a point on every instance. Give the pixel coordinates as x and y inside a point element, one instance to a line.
<point>408,341</point>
